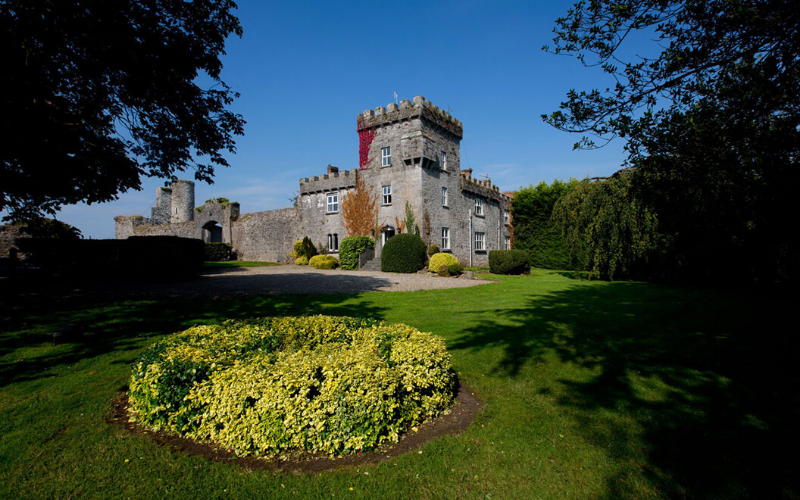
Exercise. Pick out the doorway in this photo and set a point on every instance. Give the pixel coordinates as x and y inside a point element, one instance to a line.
<point>212,232</point>
<point>386,233</point>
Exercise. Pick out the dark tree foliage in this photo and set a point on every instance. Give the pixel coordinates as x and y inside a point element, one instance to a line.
<point>98,93</point>
<point>615,234</point>
<point>534,230</point>
<point>44,228</point>
<point>709,46</point>
<point>712,122</point>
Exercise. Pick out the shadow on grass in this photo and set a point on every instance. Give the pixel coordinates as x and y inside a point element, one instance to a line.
<point>695,388</point>
<point>574,275</point>
<point>129,325</point>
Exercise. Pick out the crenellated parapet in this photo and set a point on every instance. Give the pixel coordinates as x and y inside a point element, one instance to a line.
<point>482,187</point>
<point>407,110</point>
<point>333,181</point>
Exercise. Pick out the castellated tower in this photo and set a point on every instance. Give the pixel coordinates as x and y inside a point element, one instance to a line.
<point>182,201</point>
<point>414,133</point>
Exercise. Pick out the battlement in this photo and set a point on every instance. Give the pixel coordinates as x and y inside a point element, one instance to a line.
<point>407,110</point>
<point>328,182</point>
<point>483,187</point>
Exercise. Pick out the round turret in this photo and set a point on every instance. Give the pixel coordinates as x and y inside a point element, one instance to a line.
<point>182,209</point>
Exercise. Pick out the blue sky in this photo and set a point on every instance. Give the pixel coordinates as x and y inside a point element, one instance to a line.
<point>306,69</point>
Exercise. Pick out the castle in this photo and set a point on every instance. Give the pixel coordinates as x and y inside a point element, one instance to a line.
<point>407,153</point>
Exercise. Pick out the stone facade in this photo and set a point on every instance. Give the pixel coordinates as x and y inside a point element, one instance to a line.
<point>413,157</point>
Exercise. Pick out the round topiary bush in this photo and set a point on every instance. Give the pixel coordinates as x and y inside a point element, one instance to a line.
<point>301,261</point>
<point>268,386</point>
<point>440,260</point>
<point>403,253</point>
<point>323,262</point>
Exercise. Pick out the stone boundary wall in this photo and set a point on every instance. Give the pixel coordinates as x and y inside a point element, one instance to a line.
<point>266,236</point>
<point>124,225</point>
<point>182,229</point>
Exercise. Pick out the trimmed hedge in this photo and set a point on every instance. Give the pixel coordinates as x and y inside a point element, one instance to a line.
<point>351,247</point>
<point>138,258</point>
<point>217,252</point>
<point>270,386</point>
<point>403,253</point>
<point>301,261</point>
<point>323,262</point>
<point>509,262</point>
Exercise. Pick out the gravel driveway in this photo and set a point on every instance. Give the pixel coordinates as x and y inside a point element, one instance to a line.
<point>305,280</point>
<point>273,280</point>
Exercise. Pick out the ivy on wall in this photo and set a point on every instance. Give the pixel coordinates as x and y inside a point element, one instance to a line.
<point>365,138</point>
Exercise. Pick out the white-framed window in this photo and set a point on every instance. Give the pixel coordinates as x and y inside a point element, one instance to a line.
<point>333,242</point>
<point>387,195</point>
<point>480,241</point>
<point>445,238</point>
<point>386,156</point>
<point>505,216</point>
<point>333,202</point>
<point>478,206</point>
<point>444,196</point>
<point>507,243</point>
<point>443,161</point>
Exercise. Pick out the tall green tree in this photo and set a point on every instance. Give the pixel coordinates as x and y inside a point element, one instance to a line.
<point>711,121</point>
<point>97,94</point>
<point>615,234</point>
<point>534,229</point>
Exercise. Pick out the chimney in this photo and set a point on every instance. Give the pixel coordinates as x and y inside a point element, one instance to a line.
<point>467,173</point>
<point>332,170</point>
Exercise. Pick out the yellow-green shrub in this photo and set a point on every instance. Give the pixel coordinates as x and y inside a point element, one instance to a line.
<point>301,261</point>
<point>271,386</point>
<point>441,259</point>
<point>323,262</point>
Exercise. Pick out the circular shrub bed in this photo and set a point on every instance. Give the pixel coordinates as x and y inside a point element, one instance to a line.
<point>269,386</point>
<point>403,253</point>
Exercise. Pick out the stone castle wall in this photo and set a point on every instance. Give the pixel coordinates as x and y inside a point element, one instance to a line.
<point>160,214</point>
<point>266,236</point>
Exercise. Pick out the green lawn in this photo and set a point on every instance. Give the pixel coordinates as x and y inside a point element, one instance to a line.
<point>591,389</point>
